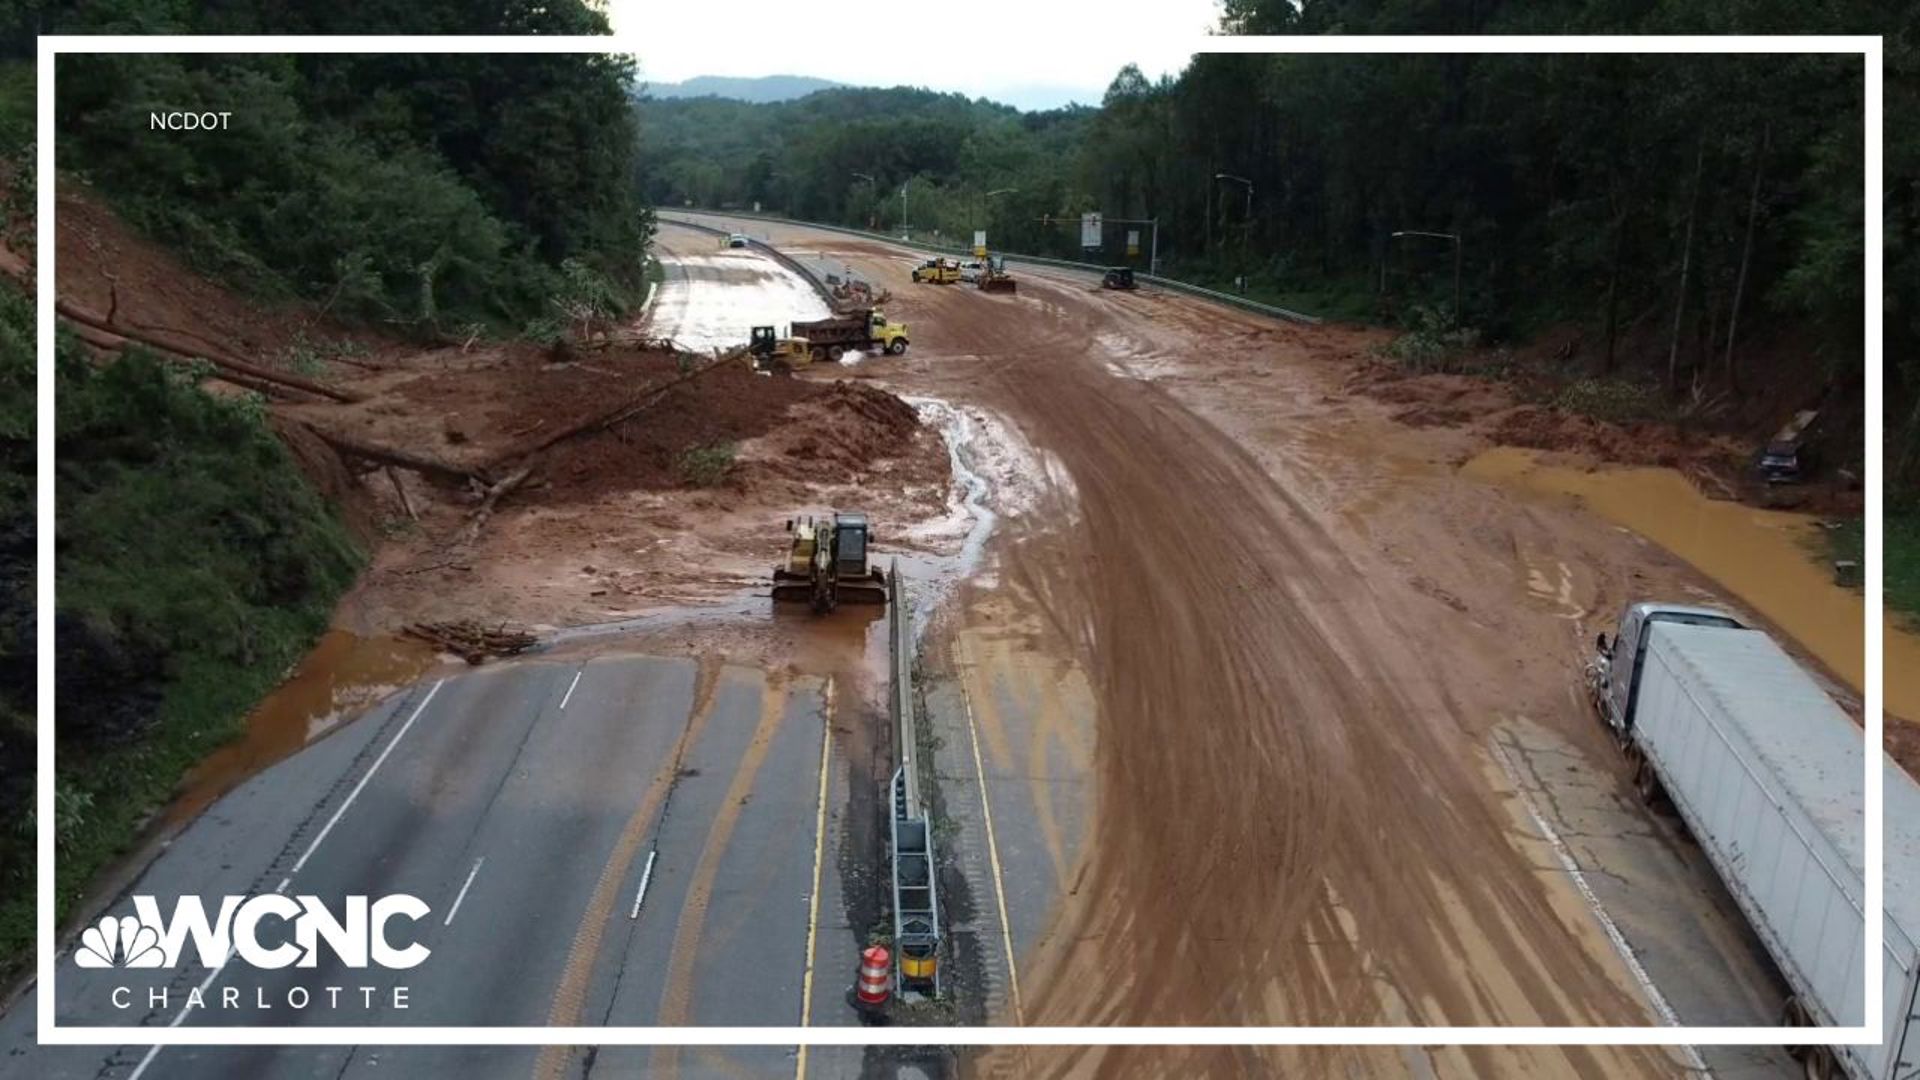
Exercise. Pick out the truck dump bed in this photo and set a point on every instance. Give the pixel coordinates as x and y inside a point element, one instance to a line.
<point>1769,775</point>
<point>851,328</point>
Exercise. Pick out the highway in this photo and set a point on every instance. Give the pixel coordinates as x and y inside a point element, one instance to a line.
<point>1212,819</point>
<point>524,804</point>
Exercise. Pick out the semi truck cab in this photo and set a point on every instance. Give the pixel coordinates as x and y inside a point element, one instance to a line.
<point>1614,672</point>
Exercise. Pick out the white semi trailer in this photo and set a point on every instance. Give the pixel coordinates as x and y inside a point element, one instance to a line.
<point>1769,776</point>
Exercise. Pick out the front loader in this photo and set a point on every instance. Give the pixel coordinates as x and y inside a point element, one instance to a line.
<point>994,276</point>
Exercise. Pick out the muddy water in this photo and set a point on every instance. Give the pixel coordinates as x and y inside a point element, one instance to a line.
<point>1767,558</point>
<point>342,676</point>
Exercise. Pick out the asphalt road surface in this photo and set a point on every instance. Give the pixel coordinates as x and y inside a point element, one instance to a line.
<point>524,804</point>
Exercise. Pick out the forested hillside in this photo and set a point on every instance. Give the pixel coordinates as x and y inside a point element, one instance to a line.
<point>431,192</point>
<point>365,198</point>
<point>16,514</point>
<point>1693,223</point>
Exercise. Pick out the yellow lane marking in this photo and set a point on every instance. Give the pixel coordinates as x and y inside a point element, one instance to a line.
<point>570,996</point>
<point>993,847</point>
<point>813,902</point>
<point>677,1000</point>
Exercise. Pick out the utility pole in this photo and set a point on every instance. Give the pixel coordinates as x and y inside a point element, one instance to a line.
<point>982,212</point>
<point>874,185</point>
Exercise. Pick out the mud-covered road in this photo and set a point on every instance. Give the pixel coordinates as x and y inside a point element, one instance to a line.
<point>1301,631</point>
<point>1253,709</point>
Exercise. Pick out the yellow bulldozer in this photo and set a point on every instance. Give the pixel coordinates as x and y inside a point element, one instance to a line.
<point>770,354</point>
<point>827,563</point>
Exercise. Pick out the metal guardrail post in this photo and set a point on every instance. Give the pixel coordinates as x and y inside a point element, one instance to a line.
<point>916,897</point>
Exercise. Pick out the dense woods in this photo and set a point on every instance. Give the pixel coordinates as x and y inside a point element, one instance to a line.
<point>435,192</point>
<point>1694,223</point>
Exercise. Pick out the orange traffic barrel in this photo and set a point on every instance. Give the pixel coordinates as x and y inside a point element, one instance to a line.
<point>871,990</point>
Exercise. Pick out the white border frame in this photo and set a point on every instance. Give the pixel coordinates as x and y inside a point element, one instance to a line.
<point>51,1033</point>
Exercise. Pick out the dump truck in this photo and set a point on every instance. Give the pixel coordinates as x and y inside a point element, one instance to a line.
<point>827,563</point>
<point>1718,723</point>
<point>862,328</point>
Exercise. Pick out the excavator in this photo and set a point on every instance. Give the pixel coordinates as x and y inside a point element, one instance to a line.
<point>827,563</point>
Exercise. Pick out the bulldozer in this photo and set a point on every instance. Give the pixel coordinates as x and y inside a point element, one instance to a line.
<point>994,276</point>
<point>770,354</point>
<point>827,563</point>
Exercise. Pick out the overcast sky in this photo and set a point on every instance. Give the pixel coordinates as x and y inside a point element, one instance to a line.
<point>1034,54</point>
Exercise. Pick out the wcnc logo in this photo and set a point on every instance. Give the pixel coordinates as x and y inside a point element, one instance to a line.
<point>358,937</point>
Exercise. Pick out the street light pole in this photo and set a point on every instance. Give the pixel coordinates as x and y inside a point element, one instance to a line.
<point>875,186</point>
<point>982,213</point>
<point>1249,184</point>
<point>1455,237</point>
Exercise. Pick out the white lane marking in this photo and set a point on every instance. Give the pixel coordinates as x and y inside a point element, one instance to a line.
<point>361,786</point>
<point>1654,997</point>
<point>154,1050</point>
<point>993,858</point>
<point>471,874</point>
<point>569,694</point>
<point>646,876</point>
<point>813,898</point>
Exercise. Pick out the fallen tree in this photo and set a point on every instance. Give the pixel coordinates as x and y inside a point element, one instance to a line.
<point>471,641</point>
<point>390,455</point>
<point>178,346</point>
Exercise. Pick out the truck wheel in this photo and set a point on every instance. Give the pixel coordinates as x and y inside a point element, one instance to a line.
<point>835,352</point>
<point>1647,782</point>
<point>896,346</point>
<point>819,354</point>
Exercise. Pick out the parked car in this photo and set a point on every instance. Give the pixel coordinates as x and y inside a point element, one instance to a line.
<point>1787,459</point>
<point>970,271</point>
<point>737,240</point>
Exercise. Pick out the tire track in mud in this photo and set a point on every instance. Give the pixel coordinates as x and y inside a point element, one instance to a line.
<point>1294,826</point>
<point>1292,829</point>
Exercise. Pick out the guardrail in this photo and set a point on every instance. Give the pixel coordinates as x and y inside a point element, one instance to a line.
<point>1175,284</point>
<point>916,896</point>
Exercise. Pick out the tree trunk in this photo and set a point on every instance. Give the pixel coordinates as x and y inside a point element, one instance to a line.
<point>388,455</point>
<point>1746,252</point>
<point>179,347</point>
<point>1613,288</point>
<point>1904,472</point>
<point>1686,267</point>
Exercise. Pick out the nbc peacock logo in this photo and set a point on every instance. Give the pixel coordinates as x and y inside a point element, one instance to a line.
<point>125,942</point>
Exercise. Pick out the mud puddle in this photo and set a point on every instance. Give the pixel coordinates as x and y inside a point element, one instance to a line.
<point>342,676</point>
<point>1770,559</point>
